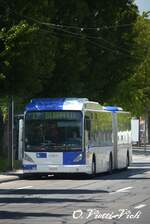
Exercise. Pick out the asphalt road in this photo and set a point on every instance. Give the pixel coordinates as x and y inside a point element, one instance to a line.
<point>123,197</point>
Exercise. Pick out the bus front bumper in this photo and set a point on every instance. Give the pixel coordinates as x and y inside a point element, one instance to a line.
<point>52,169</point>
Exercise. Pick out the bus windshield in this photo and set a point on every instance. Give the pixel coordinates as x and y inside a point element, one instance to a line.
<point>53,131</point>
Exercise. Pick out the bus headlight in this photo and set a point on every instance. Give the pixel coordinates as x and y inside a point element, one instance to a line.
<point>78,158</point>
<point>28,158</point>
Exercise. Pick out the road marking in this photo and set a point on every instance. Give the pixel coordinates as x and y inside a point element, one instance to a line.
<point>140,206</point>
<point>147,172</point>
<point>122,190</point>
<point>26,187</point>
<point>140,167</point>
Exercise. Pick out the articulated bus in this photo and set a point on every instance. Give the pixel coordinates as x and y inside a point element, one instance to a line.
<point>74,135</point>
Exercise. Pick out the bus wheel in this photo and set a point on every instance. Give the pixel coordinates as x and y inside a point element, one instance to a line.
<point>110,164</point>
<point>93,166</point>
<point>26,176</point>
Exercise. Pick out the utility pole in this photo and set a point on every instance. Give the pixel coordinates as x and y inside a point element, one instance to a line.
<point>11,133</point>
<point>145,130</point>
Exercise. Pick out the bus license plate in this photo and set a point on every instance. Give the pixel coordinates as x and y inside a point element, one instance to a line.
<point>53,168</point>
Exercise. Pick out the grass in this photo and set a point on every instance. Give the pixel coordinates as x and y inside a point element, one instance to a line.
<point>4,166</point>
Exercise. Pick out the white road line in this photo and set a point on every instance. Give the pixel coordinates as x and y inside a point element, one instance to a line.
<point>122,190</point>
<point>26,187</point>
<point>140,206</point>
<point>140,167</point>
<point>147,172</point>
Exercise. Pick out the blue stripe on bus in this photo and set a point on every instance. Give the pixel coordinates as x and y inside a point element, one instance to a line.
<point>69,157</point>
<point>45,104</point>
<point>29,166</point>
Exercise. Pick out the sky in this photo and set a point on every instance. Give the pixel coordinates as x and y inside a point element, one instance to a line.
<point>143,5</point>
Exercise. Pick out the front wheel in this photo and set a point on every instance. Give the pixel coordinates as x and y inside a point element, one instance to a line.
<point>26,176</point>
<point>93,167</point>
<point>110,164</point>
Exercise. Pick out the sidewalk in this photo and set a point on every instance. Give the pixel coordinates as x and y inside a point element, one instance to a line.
<point>140,155</point>
<point>10,176</point>
<point>145,151</point>
<point>141,148</point>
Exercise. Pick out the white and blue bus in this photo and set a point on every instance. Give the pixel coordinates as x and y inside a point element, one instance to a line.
<point>74,135</point>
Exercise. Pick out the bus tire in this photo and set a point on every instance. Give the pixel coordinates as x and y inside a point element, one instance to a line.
<point>93,166</point>
<point>26,176</point>
<point>110,164</point>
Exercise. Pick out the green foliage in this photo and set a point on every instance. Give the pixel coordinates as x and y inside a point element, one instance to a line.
<point>135,91</point>
<point>60,48</point>
<point>26,54</point>
<point>23,60</point>
<point>91,63</point>
<point>3,164</point>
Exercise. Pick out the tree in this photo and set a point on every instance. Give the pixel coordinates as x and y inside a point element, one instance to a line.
<point>135,91</point>
<point>26,55</point>
<point>55,48</point>
<point>66,48</point>
<point>91,62</point>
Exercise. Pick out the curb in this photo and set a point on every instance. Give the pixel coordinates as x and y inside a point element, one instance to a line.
<point>8,176</point>
<point>8,179</point>
<point>140,152</point>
